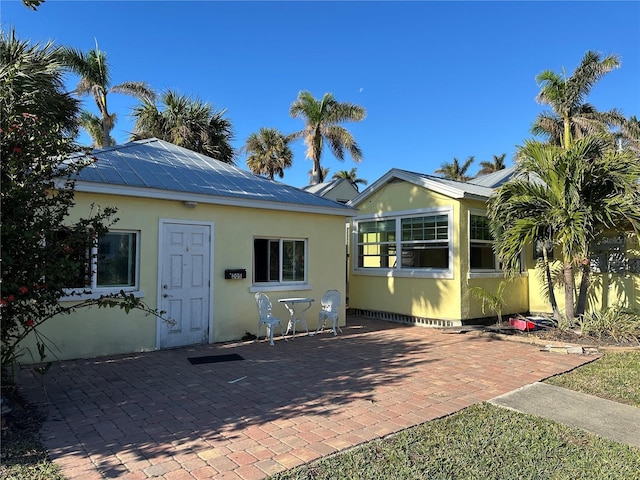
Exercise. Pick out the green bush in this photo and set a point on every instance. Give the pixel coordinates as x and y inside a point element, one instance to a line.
<point>617,322</point>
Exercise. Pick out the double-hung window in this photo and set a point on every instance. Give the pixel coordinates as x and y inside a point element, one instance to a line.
<point>481,254</point>
<point>406,244</point>
<point>278,260</point>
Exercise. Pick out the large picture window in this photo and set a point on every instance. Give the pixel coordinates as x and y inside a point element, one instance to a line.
<point>408,242</point>
<point>481,254</point>
<point>279,260</point>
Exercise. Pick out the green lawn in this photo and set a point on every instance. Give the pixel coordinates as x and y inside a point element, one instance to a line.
<point>614,376</point>
<point>480,442</point>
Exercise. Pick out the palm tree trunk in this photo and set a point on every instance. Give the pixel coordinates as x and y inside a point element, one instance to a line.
<point>584,289</point>
<point>567,133</point>
<point>552,293</point>
<point>568,291</point>
<point>105,134</point>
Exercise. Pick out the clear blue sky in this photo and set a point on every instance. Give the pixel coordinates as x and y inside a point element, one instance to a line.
<point>438,79</point>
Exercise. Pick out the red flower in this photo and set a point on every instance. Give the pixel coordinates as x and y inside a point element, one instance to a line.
<point>23,290</point>
<point>10,298</point>
<point>3,301</point>
<point>29,323</point>
<point>17,150</point>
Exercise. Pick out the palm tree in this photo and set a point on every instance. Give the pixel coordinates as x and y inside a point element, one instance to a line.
<point>491,167</point>
<point>95,79</point>
<point>577,193</point>
<point>324,173</point>
<point>570,117</point>
<point>322,124</point>
<point>32,78</point>
<point>630,134</point>
<point>455,171</point>
<point>269,152</point>
<point>186,122</point>
<point>32,4</point>
<point>352,176</point>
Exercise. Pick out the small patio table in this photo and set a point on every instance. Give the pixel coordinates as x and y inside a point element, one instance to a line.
<point>296,308</point>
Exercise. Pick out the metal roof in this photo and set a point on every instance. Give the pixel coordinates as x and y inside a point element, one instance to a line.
<point>158,169</point>
<point>494,179</point>
<point>325,187</point>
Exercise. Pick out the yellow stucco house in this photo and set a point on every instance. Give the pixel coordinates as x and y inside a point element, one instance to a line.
<point>196,238</point>
<point>420,243</point>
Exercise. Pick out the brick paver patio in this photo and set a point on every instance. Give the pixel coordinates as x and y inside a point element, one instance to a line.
<point>156,415</point>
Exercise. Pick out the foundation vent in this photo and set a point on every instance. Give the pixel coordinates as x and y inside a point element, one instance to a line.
<point>405,319</point>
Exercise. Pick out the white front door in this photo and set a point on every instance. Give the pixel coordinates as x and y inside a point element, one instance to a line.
<point>185,291</point>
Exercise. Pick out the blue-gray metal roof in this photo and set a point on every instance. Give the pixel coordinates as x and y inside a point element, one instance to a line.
<point>159,166</point>
<point>495,179</point>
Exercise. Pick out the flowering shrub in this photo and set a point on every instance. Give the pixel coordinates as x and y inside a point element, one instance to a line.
<point>37,266</point>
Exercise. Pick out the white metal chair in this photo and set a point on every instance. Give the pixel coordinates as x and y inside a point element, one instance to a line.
<point>265,317</point>
<point>330,303</point>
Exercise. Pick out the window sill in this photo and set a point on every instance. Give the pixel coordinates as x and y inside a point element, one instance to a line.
<point>405,273</point>
<point>96,294</point>
<point>486,274</point>
<point>279,287</point>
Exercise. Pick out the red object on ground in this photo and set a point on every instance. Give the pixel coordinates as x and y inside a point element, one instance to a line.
<point>522,324</point>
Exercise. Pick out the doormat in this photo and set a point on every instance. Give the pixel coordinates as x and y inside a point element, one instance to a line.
<point>214,359</point>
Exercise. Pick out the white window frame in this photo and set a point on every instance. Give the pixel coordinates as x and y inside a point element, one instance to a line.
<point>397,270</point>
<point>481,272</point>
<point>280,285</point>
<point>93,290</point>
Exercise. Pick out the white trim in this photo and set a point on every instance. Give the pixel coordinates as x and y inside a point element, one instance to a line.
<point>404,213</point>
<point>285,285</point>
<point>145,192</point>
<point>434,184</point>
<point>93,290</point>
<point>480,272</point>
<point>161,223</point>
<point>404,273</point>
<point>398,271</point>
<point>279,287</point>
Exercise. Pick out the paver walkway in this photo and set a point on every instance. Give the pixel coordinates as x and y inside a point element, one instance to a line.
<point>155,415</point>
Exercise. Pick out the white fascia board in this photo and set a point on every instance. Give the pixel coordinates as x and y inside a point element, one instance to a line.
<point>433,185</point>
<point>142,192</point>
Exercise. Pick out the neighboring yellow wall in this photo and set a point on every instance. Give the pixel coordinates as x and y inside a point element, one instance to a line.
<point>400,196</point>
<point>516,296</point>
<point>606,289</point>
<point>432,298</point>
<point>94,332</point>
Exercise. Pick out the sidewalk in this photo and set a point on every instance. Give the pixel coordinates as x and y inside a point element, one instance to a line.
<point>605,418</point>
